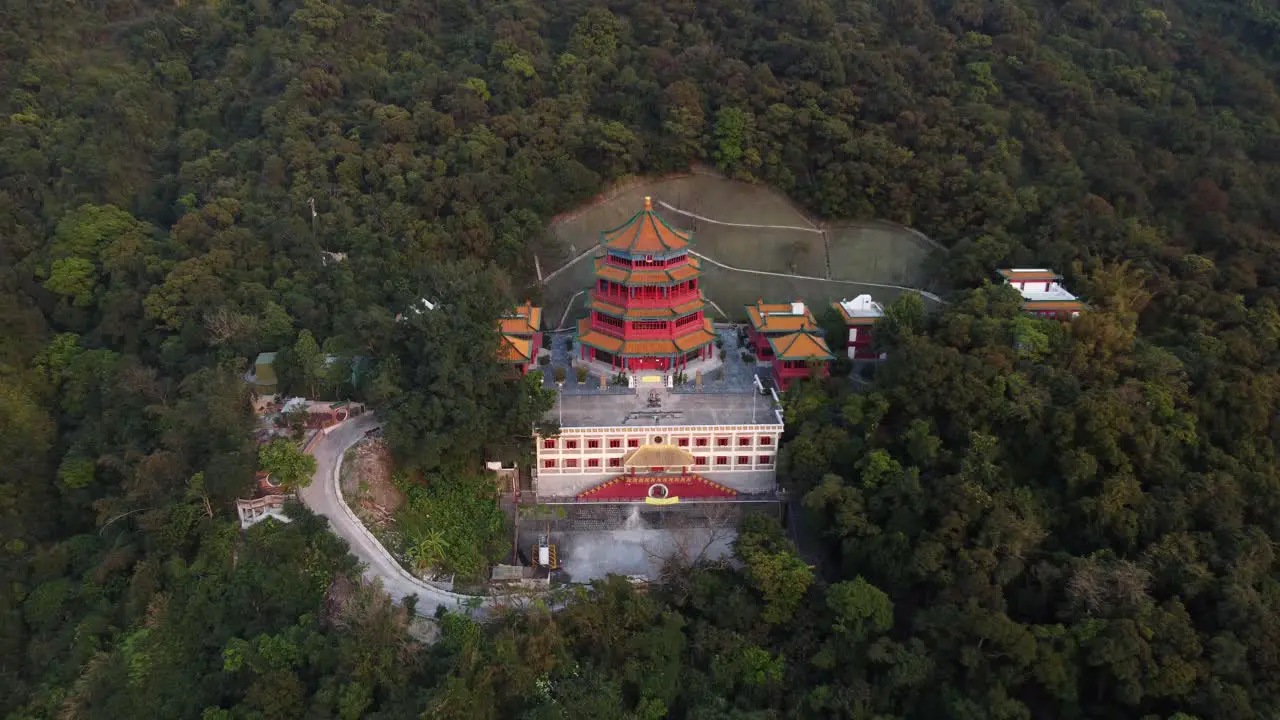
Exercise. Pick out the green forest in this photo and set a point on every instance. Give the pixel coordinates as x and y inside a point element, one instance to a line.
<point>1017,519</point>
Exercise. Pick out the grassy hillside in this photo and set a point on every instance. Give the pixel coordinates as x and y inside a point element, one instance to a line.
<point>743,226</point>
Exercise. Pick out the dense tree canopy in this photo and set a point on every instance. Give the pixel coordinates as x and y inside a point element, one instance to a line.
<point>1017,519</point>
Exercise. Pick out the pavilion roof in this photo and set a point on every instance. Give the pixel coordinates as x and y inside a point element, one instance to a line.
<point>651,455</point>
<point>800,346</point>
<point>861,310</point>
<point>647,347</point>
<point>647,313</point>
<point>646,232</point>
<point>524,319</point>
<point>780,317</point>
<point>515,349</point>
<point>648,276</point>
<point>1019,274</point>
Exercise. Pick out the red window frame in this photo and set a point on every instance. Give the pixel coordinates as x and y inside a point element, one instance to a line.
<point>744,459</point>
<point>744,442</point>
<point>766,440</point>
<point>593,462</point>
<point>571,463</point>
<point>615,462</point>
<point>548,463</point>
<point>682,442</point>
<point>593,444</point>
<point>722,442</point>
<point>571,444</point>
<point>722,460</point>
<point>765,459</point>
<point>700,460</point>
<point>549,444</point>
<point>615,443</point>
<point>701,442</point>
<point>633,442</point>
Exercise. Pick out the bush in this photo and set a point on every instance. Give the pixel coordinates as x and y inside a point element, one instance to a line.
<point>723,354</point>
<point>619,379</point>
<point>841,366</point>
<point>544,360</point>
<point>748,357</point>
<point>558,373</point>
<point>452,523</point>
<point>581,373</point>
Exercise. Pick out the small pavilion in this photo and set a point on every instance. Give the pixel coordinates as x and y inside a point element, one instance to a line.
<point>1042,293</point>
<point>521,339</point>
<point>860,316</point>
<point>773,320</point>
<point>795,354</point>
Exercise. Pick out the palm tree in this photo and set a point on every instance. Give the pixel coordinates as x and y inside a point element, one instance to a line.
<point>426,551</point>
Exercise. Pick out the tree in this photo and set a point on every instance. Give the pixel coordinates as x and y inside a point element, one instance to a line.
<point>309,362</point>
<point>288,466</point>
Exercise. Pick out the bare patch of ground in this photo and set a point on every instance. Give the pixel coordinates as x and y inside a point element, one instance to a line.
<point>366,482</point>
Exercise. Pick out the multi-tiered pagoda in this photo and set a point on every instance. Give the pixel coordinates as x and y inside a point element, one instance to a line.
<point>646,306</point>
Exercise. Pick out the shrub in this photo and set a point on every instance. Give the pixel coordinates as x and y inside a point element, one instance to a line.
<point>559,373</point>
<point>581,373</point>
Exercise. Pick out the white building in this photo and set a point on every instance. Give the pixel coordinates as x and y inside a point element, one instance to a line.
<point>1042,292</point>
<point>629,448</point>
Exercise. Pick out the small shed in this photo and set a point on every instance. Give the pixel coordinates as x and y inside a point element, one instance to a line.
<point>263,377</point>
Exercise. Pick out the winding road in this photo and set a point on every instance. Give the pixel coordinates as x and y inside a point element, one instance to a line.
<point>324,497</point>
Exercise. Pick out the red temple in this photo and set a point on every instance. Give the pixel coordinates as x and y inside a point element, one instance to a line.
<point>796,356</point>
<point>646,306</point>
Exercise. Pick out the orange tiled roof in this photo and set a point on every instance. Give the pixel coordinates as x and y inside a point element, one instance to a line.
<point>645,232</point>
<point>522,320</point>
<point>800,346</point>
<point>1040,305</point>
<point>647,346</point>
<point>648,276</point>
<point>597,339</point>
<point>1029,274</point>
<point>515,349</point>
<point>778,317</point>
<point>697,339</point>
<point>648,313</point>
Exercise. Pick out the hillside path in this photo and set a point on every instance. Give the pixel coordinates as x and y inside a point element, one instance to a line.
<point>324,497</point>
<point>922,293</point>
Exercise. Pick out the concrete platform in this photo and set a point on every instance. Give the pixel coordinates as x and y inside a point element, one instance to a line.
<point>675,409</point>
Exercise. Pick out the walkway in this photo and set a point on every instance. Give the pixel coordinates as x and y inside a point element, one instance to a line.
<point>324,498</point>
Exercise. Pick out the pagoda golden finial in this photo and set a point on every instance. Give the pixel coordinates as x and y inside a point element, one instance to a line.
<point>648,203</point>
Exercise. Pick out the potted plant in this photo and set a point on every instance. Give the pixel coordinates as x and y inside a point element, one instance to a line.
<point>559,374</point>
<point>581,373</point>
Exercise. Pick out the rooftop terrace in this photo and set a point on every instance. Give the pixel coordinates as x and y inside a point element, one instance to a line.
<point>676,409</point>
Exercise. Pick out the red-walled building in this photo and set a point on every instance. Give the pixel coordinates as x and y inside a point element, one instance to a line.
<point>860,316</point>
<point>521,337</point>
<point>773,320</point>
<point>795,354</point>
<point>646,306</point>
